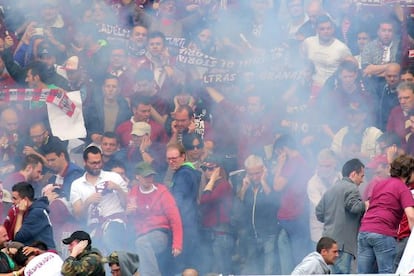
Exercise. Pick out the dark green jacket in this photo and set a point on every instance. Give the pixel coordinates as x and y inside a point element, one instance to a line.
<point>89,262</point>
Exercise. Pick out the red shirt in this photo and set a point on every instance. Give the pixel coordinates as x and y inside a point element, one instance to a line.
<point>156,210</point>
<point>386,207</point>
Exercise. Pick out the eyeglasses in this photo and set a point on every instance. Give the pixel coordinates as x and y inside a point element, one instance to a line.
<point>40,136</point>
<point>175,158</point>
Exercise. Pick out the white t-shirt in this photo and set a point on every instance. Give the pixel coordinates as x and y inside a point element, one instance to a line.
<point>48,263</point>
<point>110,204</point>
<point>326,58</point>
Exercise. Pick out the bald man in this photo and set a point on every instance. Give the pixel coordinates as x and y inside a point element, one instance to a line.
<point>9,138</point>
<point>314,9</point>
<point>4,259</point>
<point>387,94</point>
<point>190,272</point>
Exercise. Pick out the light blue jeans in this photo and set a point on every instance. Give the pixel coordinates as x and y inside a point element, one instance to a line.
<point>217,251</point>
<point>343,263</point>
<point>261,255</point>
<point>294,243</point>
<point>373,247</point>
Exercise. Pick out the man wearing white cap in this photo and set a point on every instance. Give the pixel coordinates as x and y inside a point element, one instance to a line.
<point>141,108</point>
<point>141,148</point>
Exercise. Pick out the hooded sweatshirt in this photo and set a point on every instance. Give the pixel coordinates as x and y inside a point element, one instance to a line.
<point>312,264</point>
<point>36,225</point>
<point>128,262</point>
<point>186,181</point>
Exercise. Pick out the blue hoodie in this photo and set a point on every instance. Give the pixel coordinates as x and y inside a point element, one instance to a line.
<point>36,225</point>
<point>186,181</point>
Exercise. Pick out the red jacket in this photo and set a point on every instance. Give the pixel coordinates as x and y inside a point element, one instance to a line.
<point>156,210</point>
<point>216,205</point>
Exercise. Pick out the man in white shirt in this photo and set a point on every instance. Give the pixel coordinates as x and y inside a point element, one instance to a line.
<point>99,198</point>
<point>324,51</point>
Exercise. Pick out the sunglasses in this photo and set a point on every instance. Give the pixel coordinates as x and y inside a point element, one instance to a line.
<point>199,146</point>
<point>205,168</point>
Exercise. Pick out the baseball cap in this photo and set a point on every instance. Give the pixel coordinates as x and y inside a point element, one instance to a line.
<point>211,161</point>
<point>78,235</point>
<point>144,169</point>
<point>112,258</point>
<point>141,128</point>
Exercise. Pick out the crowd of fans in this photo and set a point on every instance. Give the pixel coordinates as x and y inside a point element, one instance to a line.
<point>209,134</point>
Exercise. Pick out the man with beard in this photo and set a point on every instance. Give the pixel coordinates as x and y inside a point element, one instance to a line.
<point>98,199</point>
<point>381,51</point>
<point>30,171</point>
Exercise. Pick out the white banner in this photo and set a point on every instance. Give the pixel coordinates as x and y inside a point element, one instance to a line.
<point>66,127</point>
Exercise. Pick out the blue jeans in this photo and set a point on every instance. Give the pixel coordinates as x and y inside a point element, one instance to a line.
<point>401,244</point>
<point>373,247</point>
<point>217,251</point>
<point>261,255</point>
<point>343,263</point>
<point>295,243</point>
<point>285,253</point>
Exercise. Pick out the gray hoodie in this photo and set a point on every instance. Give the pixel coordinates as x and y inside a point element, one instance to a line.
<point>128,262</point>
<point>312,264</point>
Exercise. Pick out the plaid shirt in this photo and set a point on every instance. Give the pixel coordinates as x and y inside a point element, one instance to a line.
<point>373,53</point>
